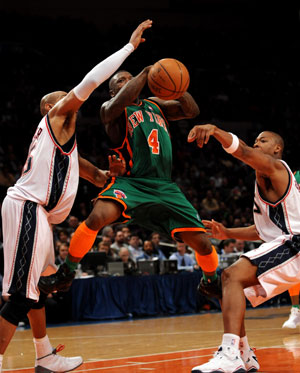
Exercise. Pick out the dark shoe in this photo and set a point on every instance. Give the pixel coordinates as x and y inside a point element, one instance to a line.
<point>59,281</point>
<point>210,289</point>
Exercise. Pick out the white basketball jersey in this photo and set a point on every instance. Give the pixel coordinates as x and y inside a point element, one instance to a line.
<point>279,218</point>
<point>51,174</point>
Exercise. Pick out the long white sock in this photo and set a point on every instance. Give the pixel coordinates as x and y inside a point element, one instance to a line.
<point>244,344</point>
<point>1,360</point>
<point>42,346</point>
<point>231,340</point>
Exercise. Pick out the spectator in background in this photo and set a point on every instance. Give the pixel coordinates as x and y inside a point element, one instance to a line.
<point>62,253</point>
<point>149,252</point>
<point>129,264</point>
<point>108,232</point>
<point>184,261</point>
<point>210,204</point>
<point>63,236</point>
<point>105,247</point>
<point>240,246</point>
<point>229,246</point>
<point>73,223</point>
<point>119,242</point>
<point>127,233</point>
<point>155,239</point>
<point>135,247</point>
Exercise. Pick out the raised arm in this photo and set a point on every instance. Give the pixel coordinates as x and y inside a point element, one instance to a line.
<point>184,107</point>
<point>112,109</point>
<point>75,98</point>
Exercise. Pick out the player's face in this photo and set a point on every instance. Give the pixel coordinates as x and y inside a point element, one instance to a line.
<point>119,81</point>
<point>265,143</point>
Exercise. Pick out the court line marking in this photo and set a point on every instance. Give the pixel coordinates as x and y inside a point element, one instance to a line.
<point>130,364</point>
<point>140,334</point>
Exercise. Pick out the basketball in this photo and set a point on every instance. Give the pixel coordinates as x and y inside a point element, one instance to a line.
<point>168,79</point>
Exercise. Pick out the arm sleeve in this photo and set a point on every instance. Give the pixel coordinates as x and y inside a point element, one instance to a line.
<point>101,72</point>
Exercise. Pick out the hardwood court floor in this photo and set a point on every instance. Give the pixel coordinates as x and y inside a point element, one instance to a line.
<point>174,344</point>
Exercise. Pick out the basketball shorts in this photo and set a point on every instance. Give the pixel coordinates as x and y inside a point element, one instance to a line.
<point>28,246</point>
<point>155,204</point>
<point>278,269</point>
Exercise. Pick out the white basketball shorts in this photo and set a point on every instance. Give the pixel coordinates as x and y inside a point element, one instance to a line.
<point>278,269</point>
<point>28,246</point>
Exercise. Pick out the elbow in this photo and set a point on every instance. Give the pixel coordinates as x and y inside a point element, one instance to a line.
<point>193,113</point>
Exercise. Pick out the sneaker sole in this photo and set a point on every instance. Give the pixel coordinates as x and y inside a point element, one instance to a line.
<point>40,369</point>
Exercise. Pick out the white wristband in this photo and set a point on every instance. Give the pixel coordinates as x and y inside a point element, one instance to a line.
<point>234,145</point>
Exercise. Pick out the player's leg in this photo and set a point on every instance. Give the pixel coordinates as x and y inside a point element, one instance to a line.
<point>104,212</point>
<point>294,318</point>
<point>207,259</point>
<point>46,356</point>
<point>235,278</point>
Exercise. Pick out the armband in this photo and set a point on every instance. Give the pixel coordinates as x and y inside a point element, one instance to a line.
<point>234,145</point>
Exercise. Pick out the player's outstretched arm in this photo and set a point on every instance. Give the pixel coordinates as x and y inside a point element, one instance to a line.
<point>75,98</point>
<point>219,231</point>
<point>263,163</point>
<point>94,175</point>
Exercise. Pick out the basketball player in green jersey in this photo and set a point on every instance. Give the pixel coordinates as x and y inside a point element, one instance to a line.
<point>139,133</point>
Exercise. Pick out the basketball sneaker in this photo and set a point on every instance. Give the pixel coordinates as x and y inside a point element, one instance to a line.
<point>250,360</point>
<point>211,289</point>
<point>58,281</point>
<point>53,363</point>
<point>226,360</point>
<point>294,319</point>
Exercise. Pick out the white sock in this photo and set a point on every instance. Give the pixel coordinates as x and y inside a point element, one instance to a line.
<point>1,360</point>
<point>231,340</point>
<point>244,344</point>
<point>42,346</point>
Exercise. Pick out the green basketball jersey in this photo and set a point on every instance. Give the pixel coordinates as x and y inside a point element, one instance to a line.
<point>147,147</point>
<point>297,176</point>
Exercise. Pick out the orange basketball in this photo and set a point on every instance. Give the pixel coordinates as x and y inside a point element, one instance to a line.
<point>168,79</point>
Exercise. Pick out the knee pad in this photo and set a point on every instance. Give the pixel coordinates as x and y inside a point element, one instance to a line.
<point>41,303</point>
<point>16,309</point>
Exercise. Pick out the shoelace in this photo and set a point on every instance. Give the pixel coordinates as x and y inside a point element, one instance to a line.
<point>53,352</point>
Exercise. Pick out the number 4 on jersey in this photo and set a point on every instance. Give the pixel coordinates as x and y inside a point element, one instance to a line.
<point>153,141</point>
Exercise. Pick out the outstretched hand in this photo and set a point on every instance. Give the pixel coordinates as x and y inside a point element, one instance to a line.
<point>215,229</point>
<point>201,134</point>
<point>136,37</point>
<point>117,166</point>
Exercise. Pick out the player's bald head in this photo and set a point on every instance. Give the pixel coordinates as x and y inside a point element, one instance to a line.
<point>49,100</point>
<point>278,140</point>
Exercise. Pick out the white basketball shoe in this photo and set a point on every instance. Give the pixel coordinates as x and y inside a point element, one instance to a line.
<point>53,363</point>
<point>250,360</point>
<point>226,360</point>
<point>294,319</point>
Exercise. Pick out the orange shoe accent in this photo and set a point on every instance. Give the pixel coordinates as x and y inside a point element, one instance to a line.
<point>208,263</point>
<point>294,290</point>
<point>82,241</point>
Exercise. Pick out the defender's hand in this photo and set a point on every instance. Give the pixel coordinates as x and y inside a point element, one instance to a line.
<point>117,166</point>
<point>136,37</point>
<point>215,229</point>
<point>201,134</point>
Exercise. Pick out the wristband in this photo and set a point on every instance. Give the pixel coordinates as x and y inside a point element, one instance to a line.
<point>234,145</point>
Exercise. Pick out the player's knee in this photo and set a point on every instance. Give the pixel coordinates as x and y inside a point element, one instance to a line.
<point>102,214</point>
<point>16,309</point>
<point>229,274</point>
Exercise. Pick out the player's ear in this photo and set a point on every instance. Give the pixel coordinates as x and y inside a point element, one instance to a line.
<point>278,149</point>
